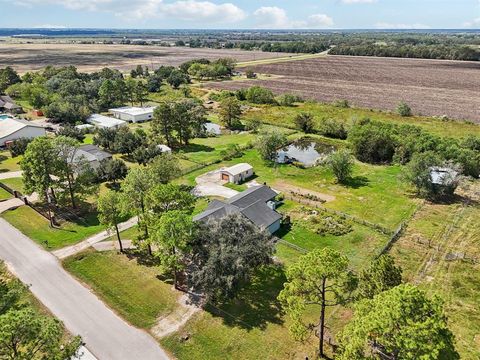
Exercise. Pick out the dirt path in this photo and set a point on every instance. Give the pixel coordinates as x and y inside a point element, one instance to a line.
<point>286,187</point>
<point>175,320</point>
<point>74,249</point>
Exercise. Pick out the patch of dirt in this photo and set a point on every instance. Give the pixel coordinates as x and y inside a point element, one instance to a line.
<point>286,187</point>
<point>176,319</point>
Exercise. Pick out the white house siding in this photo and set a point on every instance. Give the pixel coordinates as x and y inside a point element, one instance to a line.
<point>28,132</point>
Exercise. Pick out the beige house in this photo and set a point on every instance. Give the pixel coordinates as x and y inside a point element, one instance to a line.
<point>237,173</point>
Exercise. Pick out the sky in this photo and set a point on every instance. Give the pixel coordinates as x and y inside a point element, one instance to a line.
<point>241,14</point>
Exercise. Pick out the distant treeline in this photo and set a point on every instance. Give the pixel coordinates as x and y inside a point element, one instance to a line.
<point>452,52</point>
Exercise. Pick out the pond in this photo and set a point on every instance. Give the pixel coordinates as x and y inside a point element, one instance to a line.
<point>306,151</point>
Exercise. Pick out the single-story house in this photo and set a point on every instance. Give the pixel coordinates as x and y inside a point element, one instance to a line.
<point>92,154</point>
<point>164,148</point>
<point>212,128</point>
<point>257,204</point>
<point>237,173</point>
<point>133,113</point>
<point>102,121</point>
<point>12,129</point>
<point>8,105</point>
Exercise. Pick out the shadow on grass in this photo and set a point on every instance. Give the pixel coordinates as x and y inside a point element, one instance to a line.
<point>142,257</point>
<point>356,182</point>
<point>196,148</point>
<point>256,304</point>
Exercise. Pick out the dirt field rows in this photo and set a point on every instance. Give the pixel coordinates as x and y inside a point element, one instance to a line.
<point>86,57</point>
<point>431,87</point>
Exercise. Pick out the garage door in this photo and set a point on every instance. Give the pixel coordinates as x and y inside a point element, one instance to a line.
<point>225,177</point>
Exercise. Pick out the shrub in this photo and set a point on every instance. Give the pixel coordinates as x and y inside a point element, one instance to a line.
<point>253,125</point>
<point>260,95</point>
<point>333,128</point>
<point>373,142</point>
<point>18,147</point>
<point>288,99</point>
<point>403,109</point>
<point>269,143</point>
<point>341,163</point>
<point>304,122</point>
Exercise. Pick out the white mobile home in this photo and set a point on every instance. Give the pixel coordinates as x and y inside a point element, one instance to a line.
<point>102,121</point>
<point>133,113</point>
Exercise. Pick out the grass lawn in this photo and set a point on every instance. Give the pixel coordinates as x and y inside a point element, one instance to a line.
<point>283,116</point>
<point>376,193</point>
<point>88,139</point>
<point>7,163</point>
<point>37,228</point>
<point>132,290</point>
<point>4,194</point>
<point>438,231</point>
<point>14,183</point>
<point>207,150</point>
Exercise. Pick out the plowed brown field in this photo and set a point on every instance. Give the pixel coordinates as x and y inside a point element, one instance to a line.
<point>430,87</point>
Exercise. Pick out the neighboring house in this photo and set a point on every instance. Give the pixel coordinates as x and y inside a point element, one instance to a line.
<point>164,148</point>
<point>133,113</point>
<point>212,128</point>
<point>12,129</point>
<point>256,203</point>
<point>92,154</point>
<point>8,105</point>
<point>102,121</point>
<point>237,173</point>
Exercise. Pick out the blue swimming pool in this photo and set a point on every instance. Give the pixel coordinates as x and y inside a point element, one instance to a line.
<point>3,117</point>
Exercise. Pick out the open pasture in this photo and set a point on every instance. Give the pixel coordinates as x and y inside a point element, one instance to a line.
<point>430,87</point>
<point>92,57</point>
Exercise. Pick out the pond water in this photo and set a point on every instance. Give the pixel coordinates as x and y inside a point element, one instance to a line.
<point>305,151</point>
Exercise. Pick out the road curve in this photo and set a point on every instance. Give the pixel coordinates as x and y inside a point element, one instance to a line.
<point>106,335</point>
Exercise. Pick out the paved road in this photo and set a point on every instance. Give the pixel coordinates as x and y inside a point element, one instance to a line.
<point>106,335</point>
<point>85,244</point>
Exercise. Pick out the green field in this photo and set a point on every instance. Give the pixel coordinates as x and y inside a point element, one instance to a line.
<point>439,252</point>
<point>4,194</point>
<point>14,184</point>
<point>132,290</point>
<point>37,228</point>
<point>7,163</point>
<point>284,116</point>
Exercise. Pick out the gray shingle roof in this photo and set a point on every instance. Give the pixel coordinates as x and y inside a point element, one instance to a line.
<point>251,195</point>
<point>98,153</point>
<point>252,203</point>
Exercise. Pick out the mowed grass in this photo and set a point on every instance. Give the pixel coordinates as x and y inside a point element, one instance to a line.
<point>208,150</point>
<point>250,327</point>
<point>438,231</point>
<point>132,290</point>
<point>7,163</point>
<point>14,183</point>
<point>375,193</point>
<point>284,116</point>
<point>4,194</point>
<point>36,227</point>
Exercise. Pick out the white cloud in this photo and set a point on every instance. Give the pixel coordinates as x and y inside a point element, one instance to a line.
<point>189,10</point>
<point>385,25</point>
<point>358,1</point>
<point>203,10</point>
<point>475,23</point>
<point>272,17</point>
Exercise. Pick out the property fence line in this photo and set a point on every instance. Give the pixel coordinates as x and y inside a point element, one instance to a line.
<point>399,231</point>
<point>17,194</point>
<point>343,215</point>
<point>293,246</point>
